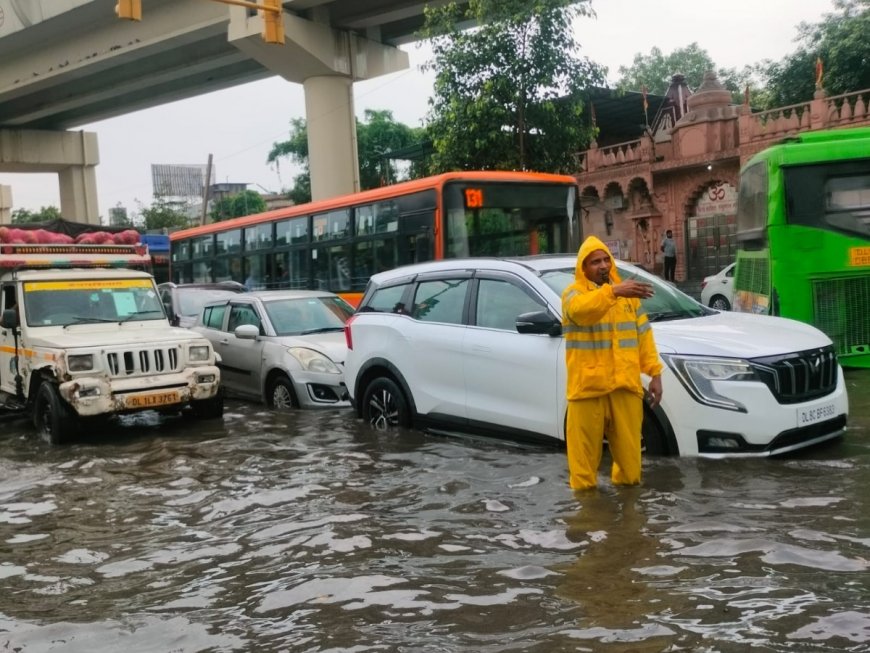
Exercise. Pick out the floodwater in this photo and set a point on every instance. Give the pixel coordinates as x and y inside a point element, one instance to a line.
<point>311,533</point>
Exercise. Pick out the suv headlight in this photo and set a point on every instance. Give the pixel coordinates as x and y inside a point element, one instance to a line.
<point>199,353</point>
<point>313,361</point>
<point>698,374</point>
<point>80,362</point>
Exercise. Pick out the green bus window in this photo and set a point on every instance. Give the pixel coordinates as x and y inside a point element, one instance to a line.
<point>752,203</point>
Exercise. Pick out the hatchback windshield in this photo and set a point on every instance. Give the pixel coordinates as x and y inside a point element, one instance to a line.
<point>667,303</point>
<point>61,303</point>
<point>293,317</point>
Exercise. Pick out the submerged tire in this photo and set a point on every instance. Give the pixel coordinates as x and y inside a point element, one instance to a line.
<point>384,405</point>
<point>653,442</point>
<point>209,408</point>
<point>281,395</point>
<point>55,422</point>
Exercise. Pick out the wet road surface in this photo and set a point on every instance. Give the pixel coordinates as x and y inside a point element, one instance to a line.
<point>309,532</point>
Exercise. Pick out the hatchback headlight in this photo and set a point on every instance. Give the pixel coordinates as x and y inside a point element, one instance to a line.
<point>313,361</point>
<point>80,362</point>
<point>199,353</point>
<point>698,375</point>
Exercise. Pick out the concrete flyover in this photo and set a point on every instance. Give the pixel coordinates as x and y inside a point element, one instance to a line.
<point>71,62</point>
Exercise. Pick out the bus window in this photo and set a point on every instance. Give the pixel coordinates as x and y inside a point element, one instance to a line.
<point>331,268</point>
<point>228,242</point>
<point>291,232</point>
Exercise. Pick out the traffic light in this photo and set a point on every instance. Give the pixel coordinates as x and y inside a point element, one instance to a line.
<point>129,9</point>
<point>273,22</point>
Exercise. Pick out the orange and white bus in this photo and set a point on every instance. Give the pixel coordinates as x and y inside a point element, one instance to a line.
<point>337,244</point>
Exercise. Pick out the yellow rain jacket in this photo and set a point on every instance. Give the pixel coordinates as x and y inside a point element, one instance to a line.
<point>608,339</point>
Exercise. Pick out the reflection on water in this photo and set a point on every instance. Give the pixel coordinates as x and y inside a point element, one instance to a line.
<point>309,532</point>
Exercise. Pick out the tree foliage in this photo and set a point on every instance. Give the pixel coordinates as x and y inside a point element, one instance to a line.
<point>247,202</point>
<point>508,94</point>
<point>842,42</point>
<point>45,214</point>
<point>377,136</point>
<point>163,214</point>
<point>655,70</point>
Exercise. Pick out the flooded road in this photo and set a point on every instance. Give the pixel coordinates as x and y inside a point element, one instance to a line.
<point>311,533</point>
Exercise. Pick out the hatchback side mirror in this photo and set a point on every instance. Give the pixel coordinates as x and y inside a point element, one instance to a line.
<point>539,322</point>
<point>247,331</point>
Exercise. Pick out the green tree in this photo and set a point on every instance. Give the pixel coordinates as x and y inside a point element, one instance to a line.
<point>247,202</point>
<point>655,70</point>
<point>510,93</point>
<point>841,40</point>
<point>377,136</point>
<point>163,214</point>
<point>45,213</point>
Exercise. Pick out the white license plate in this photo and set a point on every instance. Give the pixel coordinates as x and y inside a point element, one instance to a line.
<point>806,416</point>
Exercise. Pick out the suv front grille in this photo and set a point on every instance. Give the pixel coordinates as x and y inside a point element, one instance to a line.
<point>138,362</point>
<point>799,376</point>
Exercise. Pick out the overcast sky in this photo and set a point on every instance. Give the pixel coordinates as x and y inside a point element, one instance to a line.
<point>238,126</point>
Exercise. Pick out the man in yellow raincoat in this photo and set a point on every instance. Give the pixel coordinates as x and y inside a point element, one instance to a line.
<point>608,344</point>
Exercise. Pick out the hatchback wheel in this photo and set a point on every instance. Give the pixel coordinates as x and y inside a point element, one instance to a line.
<point>281,395</point>
<point>384,405</point>
<point>720,303</point>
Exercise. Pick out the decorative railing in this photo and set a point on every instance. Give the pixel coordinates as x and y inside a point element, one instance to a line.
<point>780,121</point>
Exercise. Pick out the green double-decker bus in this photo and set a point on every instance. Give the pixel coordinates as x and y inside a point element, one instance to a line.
<point>803,236</point>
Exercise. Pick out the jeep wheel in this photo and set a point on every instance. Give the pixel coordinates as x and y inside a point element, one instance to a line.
<point>55,422</point>
<point>209,408</point>
<point>384,406</point>
<point>281,395</point>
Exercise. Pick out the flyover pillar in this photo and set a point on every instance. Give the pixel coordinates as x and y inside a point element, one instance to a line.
<point>73,156</point>
<point>327,61</point>
<point>332,144</point>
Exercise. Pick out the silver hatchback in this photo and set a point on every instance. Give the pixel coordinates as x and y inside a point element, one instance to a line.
<point>283,347</point>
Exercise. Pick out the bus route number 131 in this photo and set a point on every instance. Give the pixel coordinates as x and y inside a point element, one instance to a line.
<point>474,198</point>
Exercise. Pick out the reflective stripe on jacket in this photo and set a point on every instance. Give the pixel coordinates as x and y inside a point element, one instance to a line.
<point>608,339</point>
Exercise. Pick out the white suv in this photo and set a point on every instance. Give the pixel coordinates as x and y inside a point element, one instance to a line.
<point>474,346</point>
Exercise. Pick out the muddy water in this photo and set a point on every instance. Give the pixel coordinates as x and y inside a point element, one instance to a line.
<point>308,532</point>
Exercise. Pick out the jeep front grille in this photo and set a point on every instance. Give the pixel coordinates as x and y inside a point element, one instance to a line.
<point>137,362</point>
<point>799,376</point>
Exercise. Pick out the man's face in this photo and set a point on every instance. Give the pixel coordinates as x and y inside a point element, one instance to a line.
<point>669,234</point>
<point>597,266</point>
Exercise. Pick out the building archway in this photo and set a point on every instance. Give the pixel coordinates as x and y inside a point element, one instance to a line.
<point>711,228</point>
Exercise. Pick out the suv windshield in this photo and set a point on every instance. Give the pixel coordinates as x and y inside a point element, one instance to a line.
<point>61,303</point>
<point>667,303</point>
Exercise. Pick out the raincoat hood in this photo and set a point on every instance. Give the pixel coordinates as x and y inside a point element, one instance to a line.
<point>590,245</point>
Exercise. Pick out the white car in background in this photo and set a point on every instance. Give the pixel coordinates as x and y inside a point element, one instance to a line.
<point>285,348</point>
<point>717,291</point>
<point>475,346</point>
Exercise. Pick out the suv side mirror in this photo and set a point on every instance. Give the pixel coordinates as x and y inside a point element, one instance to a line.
<point>540,322</point>
<point>9,319</point>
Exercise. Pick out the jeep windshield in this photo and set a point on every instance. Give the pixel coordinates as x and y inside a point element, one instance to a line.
<point>668,303</point>
<point>90,301</point>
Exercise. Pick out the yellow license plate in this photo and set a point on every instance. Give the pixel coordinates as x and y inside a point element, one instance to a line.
<point>859,256</point>
<point>152,400</point>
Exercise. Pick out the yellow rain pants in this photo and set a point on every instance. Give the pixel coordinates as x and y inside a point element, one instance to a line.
<point>618,415</point>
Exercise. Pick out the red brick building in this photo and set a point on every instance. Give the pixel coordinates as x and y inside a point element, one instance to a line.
<point>681,173</point>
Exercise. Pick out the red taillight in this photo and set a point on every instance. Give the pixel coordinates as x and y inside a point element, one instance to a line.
<point>348,338</point>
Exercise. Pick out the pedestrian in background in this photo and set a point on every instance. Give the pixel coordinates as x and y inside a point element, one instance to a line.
<point>669,249</point>
<point>608,344</point>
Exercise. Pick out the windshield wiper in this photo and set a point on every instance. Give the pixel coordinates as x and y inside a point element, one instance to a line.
<point>78,319</point>
<point>322,330</point>
<point>661,316</point>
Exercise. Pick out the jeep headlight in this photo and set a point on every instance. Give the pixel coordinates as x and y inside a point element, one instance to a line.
<point>313,361</point>
<point>80,362</point>
<point>698,375</point>
<point>199,353</point>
